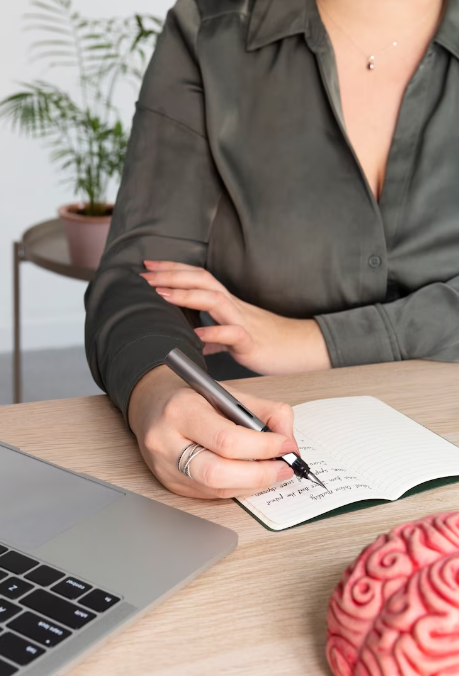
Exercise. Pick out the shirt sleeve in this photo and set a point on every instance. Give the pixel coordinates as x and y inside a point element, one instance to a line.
<point>423,325</point>
<point>166,204</point>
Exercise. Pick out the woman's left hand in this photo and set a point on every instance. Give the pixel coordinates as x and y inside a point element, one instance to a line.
<point>257,339</point>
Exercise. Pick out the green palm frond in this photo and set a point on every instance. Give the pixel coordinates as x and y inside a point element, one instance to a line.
<point>54,6</point>
<point>86,137</point>
<point>100,46</point>
<point>40,109</point>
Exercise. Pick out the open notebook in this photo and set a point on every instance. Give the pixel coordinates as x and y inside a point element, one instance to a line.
<point>361,449</point>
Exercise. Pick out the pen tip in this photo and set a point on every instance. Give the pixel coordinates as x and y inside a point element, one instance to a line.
<point>317,481</point>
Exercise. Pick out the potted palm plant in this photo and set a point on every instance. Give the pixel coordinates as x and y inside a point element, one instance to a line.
<point>86,134</point>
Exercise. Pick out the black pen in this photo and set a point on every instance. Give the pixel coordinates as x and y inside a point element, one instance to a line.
<point>222,400</point>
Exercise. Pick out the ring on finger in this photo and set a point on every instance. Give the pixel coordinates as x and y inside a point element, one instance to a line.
<point>186,456</point>
<point>191,457</point>
<point>188,449</point>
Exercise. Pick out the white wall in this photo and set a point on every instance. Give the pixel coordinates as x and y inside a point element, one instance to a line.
<point>30,189</point>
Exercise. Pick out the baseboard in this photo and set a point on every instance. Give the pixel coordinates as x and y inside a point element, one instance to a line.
<point>45,333</point>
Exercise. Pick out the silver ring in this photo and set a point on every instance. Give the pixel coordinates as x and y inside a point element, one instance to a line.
<point>179,461</point>
<point>186,456</point>
<point>191,457</point>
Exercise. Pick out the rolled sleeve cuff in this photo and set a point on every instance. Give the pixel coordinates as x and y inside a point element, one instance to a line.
<point>135,359</point>
<point>359,336</point>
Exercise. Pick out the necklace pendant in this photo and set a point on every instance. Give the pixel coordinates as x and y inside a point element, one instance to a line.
<point>371,63</point>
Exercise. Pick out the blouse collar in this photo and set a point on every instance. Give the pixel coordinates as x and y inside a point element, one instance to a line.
<point>273,20</point>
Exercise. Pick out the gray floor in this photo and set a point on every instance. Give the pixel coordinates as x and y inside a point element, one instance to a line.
<point>48,374</point>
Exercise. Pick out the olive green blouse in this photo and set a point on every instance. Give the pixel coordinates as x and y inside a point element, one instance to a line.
<point>239,161</point>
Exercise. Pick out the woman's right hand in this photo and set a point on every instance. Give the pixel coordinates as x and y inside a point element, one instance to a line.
<point>166,415</point>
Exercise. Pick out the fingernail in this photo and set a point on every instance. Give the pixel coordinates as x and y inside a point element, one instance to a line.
<point>289,446</point>
<point>163,292</point>
<point>147,277</point>
<point>285,472</point>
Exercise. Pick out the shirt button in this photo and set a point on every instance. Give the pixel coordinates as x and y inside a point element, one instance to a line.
<point>374,261</point>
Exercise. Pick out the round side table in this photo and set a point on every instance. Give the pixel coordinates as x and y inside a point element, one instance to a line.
<point>44,244</point>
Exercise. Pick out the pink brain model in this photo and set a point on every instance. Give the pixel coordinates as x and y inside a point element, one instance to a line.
<point>395,611</point>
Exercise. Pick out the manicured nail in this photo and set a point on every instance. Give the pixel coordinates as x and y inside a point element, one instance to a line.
<point>163,292</point>
<point>285,472</point>
<point>289,447</point>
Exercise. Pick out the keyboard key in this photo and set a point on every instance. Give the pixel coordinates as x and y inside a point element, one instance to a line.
<point>8,610</point>
<point>13,588</point>
<point>3,574</point>
<point>7,669</point>
<point>3,549</point>
<point>40,630</point>
<point>71,588</point>
<point>17,563</point>
<point>99,600</point>
<point>60,610</point>
<point>18,650</point>
<point>44,576</point>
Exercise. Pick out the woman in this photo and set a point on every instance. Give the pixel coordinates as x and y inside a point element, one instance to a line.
<point>293,172</point>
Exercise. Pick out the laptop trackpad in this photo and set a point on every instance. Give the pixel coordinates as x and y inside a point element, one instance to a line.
<point>38,502</point>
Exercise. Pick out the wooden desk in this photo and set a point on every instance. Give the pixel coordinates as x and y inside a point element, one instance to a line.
<point>262,609</point>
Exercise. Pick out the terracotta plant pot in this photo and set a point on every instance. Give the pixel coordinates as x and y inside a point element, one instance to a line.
<point>86,235</point>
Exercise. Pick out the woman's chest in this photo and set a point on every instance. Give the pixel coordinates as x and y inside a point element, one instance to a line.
<point>374,73</point>
<point>370,105</point>
<point>298,226</point>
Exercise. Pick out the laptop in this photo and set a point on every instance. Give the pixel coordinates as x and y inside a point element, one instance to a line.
<point>81,558</point>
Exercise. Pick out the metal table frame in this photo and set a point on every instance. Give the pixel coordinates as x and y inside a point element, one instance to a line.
<point>45,245</point>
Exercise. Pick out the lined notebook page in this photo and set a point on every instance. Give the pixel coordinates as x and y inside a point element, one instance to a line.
<point>361,449</point>
<point>290,502</point>
<point>392,452</point>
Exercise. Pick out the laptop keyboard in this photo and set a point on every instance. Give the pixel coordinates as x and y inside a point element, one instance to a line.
<point>40,607</point>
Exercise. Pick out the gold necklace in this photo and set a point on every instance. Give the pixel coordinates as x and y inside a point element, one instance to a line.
<point>370,59</point>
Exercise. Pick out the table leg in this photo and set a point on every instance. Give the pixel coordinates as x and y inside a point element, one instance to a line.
<point>17,366</point>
